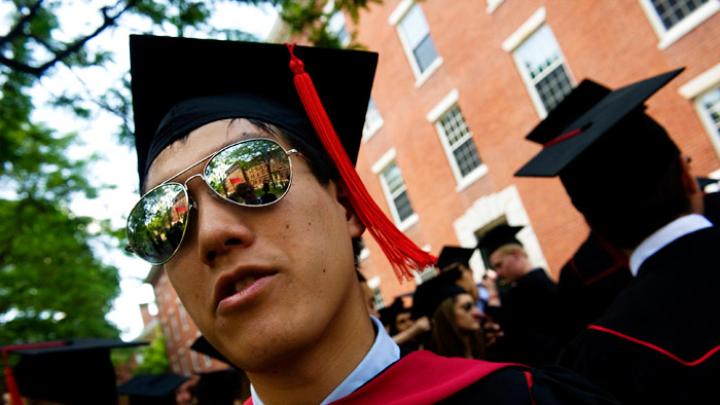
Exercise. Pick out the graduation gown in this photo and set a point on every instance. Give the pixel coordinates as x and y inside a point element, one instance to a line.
<point>588,284</point>
<point>426,378</point>
<point>659,340</point>
<point>529,316</point>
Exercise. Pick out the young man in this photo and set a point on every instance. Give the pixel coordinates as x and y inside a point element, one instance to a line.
<point>527,308</point>
<point>273,287</point>
<point>658,340</point>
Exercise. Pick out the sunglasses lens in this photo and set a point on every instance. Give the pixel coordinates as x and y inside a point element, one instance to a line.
<point>157,223</point>
<point>252,173</point>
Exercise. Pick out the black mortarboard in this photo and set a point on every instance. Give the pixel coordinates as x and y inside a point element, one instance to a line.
<point>450,255</point>
<point>429,295</point>
<point>77,371</point>
<point>498,236</point>
<point>587,117</point>
<point>201,345</point>
<point>256,82</point>
<point>152,389</point>
<point>389,314</point>
<point>706,181</point>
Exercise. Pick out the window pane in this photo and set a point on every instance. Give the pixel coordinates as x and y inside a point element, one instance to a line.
<point>425,53</point>
<point>393,178</point>
<point>372,116</point>
<point>554,87</point>
<point>402,205</point>
<point>467,158</point>
<point>413,26</point>
<point>672,12</point>
<point>538,52</point>
<point>454,126</point>
<point>711,105</point>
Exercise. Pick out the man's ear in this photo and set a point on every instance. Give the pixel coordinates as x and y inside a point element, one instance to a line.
<point>691,185</point>
<point>355,225</point>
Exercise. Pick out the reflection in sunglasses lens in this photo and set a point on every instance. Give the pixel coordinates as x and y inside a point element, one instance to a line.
<point>252,173</point>
<point>157,223</point>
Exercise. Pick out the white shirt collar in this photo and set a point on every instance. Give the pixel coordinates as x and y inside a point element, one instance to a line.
<point>383,353</point>
<point>663,236</point>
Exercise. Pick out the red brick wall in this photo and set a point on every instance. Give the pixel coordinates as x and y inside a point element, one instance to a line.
<point>612,42</point>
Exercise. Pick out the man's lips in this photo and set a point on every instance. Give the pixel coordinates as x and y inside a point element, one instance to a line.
<point>236,288</point>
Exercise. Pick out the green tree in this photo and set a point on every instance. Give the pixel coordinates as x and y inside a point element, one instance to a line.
<point>153,358</point>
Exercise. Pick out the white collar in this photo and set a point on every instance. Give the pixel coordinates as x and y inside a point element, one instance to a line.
<point>663,236</point>
<point>383,353</point>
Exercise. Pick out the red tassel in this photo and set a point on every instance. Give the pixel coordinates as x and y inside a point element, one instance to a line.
<point>404,255</point>
<point>10,384</point>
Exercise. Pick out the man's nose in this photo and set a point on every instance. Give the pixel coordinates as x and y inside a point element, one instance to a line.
<point>219,227</point>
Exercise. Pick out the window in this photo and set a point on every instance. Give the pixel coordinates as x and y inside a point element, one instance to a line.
<point>704,92</point>
<point>457,138</point>
<point>541,63</point>
<point>416,40</point>
<point>373,120</point>
<point>672,19</point>
<point>671,12</point>
<point>396,192</point>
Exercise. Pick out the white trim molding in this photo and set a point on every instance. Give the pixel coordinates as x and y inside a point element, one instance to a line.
<point>383,161</point>
<point>492,5</point>
<point>445,104</point>
<point>700,83</point>
<point>400,12</point>
<point>668,37</point>
<point>525,30</point>
<point>487,209</point>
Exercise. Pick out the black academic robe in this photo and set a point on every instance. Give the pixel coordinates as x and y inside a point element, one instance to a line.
<point>659,340</point>
<point>426,378</point>
<point>529,317</point>
<point>588,284</point>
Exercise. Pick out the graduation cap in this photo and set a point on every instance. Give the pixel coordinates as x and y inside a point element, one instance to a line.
<point>706,181</point>
<point>149,389</point>
<point>179,84</point>
<point>429,295</point>
<point>588,118</point>
<point>201,345</point>
<point>451,255</point>
<point>389,314</point>
<point>498,236</point>
<point>76,371</point>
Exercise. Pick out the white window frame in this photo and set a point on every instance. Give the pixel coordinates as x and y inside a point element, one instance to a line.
<point>487,209</point>
<point>447,103</point>
<point>371,128</point>
<point>395,17</point>
<point>517,38</point>
<point>669,36</point>
<point>377,168</point>
<point>694,90</point>
<point>492,5</point>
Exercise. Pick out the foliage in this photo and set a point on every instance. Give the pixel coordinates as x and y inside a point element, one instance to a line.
<point>153,357</point>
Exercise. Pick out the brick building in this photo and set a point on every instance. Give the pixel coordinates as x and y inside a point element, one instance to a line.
<point>179,330</point>
<point>460,83</point>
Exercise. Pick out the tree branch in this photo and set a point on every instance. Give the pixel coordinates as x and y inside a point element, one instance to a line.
<point>39,71</point>
<point>20,26</point>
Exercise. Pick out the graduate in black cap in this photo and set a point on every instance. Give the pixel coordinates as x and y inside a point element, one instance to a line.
<point>526,307</point>
<point>151,389</point>
<point>659,340</point>
<point>272,285</point>
<point>68,372</point>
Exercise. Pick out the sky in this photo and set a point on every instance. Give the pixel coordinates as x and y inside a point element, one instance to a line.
<point>117,163</point>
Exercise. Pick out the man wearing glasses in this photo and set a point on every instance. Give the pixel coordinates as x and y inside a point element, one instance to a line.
<point>272,284</point>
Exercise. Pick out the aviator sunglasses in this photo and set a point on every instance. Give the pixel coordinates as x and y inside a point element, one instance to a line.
<point>251,173</point>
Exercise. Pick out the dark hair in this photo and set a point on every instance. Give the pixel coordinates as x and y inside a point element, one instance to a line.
<point>446,337</point>
<point>629,190</point>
